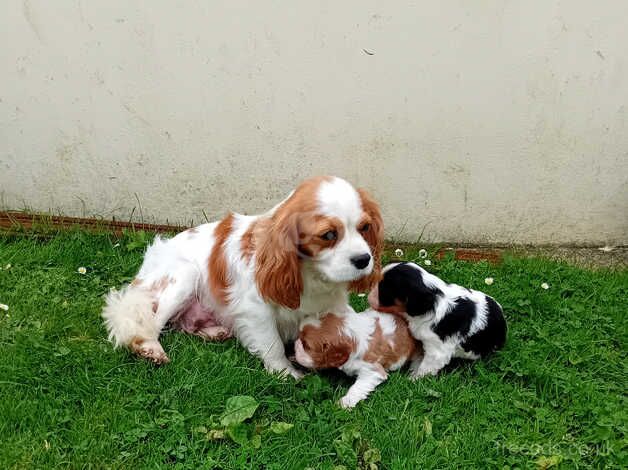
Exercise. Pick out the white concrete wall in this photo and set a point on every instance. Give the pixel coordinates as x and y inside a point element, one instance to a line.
<point>484,121</point>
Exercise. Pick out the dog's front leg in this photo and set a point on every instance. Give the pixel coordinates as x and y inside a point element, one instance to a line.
<point>368,378</point>
<point>257,331</point>
<point>436,357</point>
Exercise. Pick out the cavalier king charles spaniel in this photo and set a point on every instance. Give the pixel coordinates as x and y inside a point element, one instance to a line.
<point>365,345</point>
<point>450,320</point>
<point>255,277</point>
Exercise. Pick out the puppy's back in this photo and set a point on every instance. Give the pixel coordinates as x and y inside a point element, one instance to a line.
<point>493,336</point>
<point>391,343</point>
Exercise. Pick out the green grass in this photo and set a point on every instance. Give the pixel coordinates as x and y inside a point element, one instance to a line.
<point>555,395</point>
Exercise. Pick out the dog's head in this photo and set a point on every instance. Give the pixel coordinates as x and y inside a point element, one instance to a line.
<point>327,227</point>
<point>322,344</point>
<point>404,288</point>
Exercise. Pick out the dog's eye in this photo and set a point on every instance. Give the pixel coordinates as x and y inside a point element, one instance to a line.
<point>365,228</point>
<point>330,235</point>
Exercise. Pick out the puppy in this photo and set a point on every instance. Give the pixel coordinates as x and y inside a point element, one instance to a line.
<point>365,345</point>
<point>450,320</point>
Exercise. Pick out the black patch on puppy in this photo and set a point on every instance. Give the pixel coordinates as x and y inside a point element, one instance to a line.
<point>457,321</point>
<point>404,283</point>
<point>493,336</point>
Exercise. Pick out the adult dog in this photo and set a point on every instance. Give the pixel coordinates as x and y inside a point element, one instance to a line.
<point>254,276</point>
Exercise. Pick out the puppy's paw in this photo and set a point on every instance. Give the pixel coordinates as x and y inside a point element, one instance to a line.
<point>347,403</point>
<point>287,371</point>
<point>414,377</point>
<point>420,373</point>
<point>294,373</point>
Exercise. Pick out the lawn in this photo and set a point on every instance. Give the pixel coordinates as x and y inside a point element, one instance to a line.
<point>554,397</point>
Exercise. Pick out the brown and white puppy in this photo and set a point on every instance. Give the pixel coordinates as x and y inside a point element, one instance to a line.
<point>365,345</point>
<point>255,276</point>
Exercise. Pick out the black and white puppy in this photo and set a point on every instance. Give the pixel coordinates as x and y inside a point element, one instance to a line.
<point>450,320</point>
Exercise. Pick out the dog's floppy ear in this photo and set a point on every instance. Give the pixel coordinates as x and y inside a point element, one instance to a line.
<point>338,355</point>
<point>278,272</point>
<point>421,298</point>
<point>375,239</point>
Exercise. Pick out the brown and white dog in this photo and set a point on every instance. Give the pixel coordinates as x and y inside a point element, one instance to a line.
<point>365,345</point>
<point>254,276</point>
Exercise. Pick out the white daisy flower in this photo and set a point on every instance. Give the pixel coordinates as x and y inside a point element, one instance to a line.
<point>488,281</point>
<point>4,307</point>
<point>422,253</point>
<point>82,270</point>
<point>398,252</point>
<point>427,262</point>
<point>545,286</point>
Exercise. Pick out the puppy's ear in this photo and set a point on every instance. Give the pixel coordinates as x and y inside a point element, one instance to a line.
<point>421,299</point>
<point>375,239</point>
<point>278,272</point>
<point>338,355</point>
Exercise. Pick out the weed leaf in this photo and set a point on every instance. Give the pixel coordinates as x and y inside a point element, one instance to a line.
<point>238,409</point>
<point>427,426</point>
<point>371,457</point>
<point>216,434</point>
<point>239,433</point>
<point>544,463</point>
<point>280,427</point>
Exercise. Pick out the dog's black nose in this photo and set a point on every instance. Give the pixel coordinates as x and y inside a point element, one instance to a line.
<point>361,261</point>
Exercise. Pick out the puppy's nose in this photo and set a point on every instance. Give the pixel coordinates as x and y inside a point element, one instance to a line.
<point>361,261</point>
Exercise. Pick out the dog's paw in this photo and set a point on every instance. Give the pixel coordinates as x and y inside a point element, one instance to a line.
<point>151,350</point>
<point>287,371</point>
<point>420,373</point>
<point>294,373</point>
<point>215,333</point>
<point>347,403</point>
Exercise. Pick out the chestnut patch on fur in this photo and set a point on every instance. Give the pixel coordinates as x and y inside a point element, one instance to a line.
<point>326,344</point>
<point>381,350</point>
<point>250,238</point>
<point>218,269</point>
<point>160,284</point>
<point>136,343</point>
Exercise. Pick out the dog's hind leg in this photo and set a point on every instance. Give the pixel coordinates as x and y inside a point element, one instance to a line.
<point>135,315</point>
<point>176,293</point>
<point>165,285</point>
<point>130,318</point>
